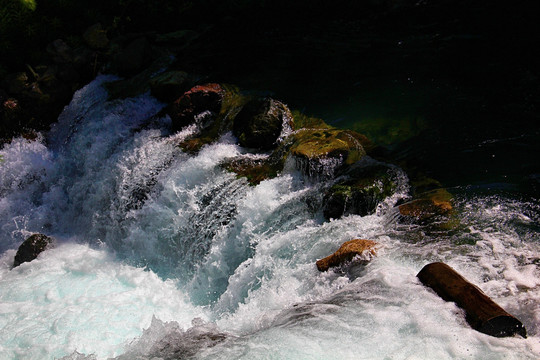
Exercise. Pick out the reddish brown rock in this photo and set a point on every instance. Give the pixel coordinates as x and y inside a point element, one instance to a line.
<point>347,252</point>
<point>482,313</point>
<point>197,100</point>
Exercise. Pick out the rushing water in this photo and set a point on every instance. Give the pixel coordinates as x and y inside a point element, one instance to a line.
<point>164,255</point>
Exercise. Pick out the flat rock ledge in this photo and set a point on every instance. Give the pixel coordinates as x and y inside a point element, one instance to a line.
<point>365,249</point>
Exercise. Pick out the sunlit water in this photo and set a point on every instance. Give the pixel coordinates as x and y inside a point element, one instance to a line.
<point>163,255</point>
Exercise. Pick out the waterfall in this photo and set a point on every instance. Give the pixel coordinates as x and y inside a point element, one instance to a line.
<point>164,254</point>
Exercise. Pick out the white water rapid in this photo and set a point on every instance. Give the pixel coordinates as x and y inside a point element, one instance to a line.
<point>165,255</point>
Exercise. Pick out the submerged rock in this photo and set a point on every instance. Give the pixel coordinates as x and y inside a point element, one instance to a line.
<point>260,122</point>
<point>482,313</point>
<point>32,247</point>
<point>364,249</point>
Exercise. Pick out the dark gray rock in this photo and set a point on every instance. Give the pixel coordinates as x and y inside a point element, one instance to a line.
<point>260,122</point>
<point>32,247</point>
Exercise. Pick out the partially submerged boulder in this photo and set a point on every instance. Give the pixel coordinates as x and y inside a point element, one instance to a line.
<point>195,104</point>
<point>362,187</point>
<point>32,247</point>
<point>482,313</point>
<point>364,249</point>
<point>260,122</point>
<point>320,152</point>
<point>427,205</point>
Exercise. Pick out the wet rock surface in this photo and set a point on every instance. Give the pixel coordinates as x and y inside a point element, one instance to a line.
<point>260,122</point>
<point>32,247</point>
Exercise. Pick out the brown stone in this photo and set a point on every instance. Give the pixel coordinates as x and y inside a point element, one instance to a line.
<point>482,313</point>
<point>432,203</point>
<point>347,252</point>
<point>197,100</point>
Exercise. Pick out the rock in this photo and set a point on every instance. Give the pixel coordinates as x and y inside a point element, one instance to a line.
<point>96,37</point>
<point>32,247</point>
<point>321,152</point>
<point>260,122</point>
<point>60,52</point>
<point>134,57</point>
<point>199,101</point>
<point>364,185</point>
<point>169,85</point>
<point>365,249</point>
<point>17,83</point>
<point>427,206</point>
<point>138,84</point>
<point>482,313</point>
<point>255,170</point>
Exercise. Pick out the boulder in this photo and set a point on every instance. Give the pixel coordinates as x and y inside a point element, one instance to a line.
<point>60,51</point>
<point>427,205</point>
<point>96,37</point>
<point>361,188</point>
<point>195,104</point>
<point>482,313</point>
<point>364,249</point>
<point>32,247</point>
<point>255,170</point>
<point>260,122</point>
<point>169,85</point>
<point>321,152</point>
<point>134,57</point>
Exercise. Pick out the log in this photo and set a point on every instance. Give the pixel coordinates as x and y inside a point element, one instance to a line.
<point>482,313</point>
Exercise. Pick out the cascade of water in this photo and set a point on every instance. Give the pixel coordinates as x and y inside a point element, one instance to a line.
<point>154,239</point>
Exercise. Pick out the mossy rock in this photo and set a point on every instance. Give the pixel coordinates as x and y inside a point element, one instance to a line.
<point>260,122</point>
<point>359,192</point>
<point>427,205</point>
<point>319,153</point>
<point>302,121</point>
<point>254,171</point>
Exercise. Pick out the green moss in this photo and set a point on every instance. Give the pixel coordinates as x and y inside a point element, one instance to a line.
<point>302,121</point>
<point>317,144</point>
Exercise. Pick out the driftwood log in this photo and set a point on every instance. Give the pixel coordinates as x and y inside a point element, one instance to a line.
<point>482,313</point>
